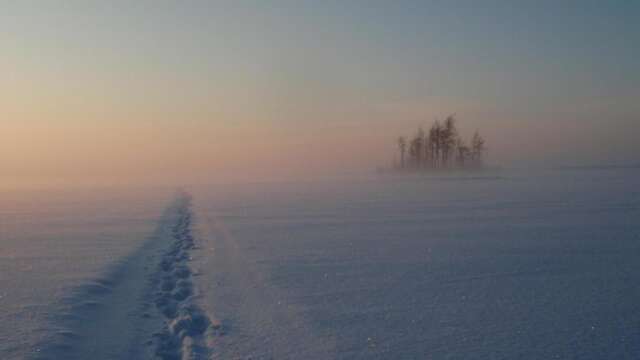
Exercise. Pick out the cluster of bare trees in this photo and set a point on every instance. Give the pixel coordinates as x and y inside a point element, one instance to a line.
<point>441,148</point>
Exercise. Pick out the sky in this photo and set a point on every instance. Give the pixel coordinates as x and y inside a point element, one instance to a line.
<point>213,91</point>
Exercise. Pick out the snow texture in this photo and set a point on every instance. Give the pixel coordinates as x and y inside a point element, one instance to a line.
<point>483,266</point>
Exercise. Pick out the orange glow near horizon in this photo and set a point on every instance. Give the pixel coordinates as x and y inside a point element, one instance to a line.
<point>176,94</point>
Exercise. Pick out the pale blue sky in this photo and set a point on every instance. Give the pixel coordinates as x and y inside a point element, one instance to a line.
<point>510,68</point>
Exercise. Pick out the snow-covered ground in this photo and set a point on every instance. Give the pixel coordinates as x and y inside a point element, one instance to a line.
<point>56,247</point>
<point>504,265</point>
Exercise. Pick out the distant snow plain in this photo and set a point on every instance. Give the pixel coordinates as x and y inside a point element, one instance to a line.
<point>502,265</point>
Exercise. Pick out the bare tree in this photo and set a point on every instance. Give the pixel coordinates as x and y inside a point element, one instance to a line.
<point>428,151</point>
<point>477,149</point>
<point>419,140</point>
<point>463,153</point>
<point>442,147</point>
<point>402,146</point>
<point>449,137</point>
<point>416,148</point>
<point>434,139</point>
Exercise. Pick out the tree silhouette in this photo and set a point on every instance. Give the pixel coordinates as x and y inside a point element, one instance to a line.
<point>441,148</point>
<point>402,146</point>
<point>435,138</point>
<point>449,136</point>
<point>462,153</point>
<point>414,151</point>
<point>477,149</point>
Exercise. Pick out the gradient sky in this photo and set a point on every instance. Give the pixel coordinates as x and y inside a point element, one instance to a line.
<point>179,91</point>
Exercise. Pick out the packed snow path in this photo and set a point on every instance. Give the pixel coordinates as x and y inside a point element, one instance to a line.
<point>183,336</point>
<point>142,308</point>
